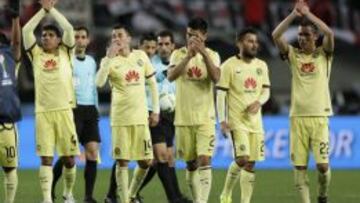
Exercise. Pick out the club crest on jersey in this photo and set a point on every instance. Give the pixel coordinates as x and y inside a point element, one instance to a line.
<point>259,71</point>
<point>132,76</point>
<point>140,62</point>
<point>194,72</point>
<point>307,68</point>
<point>50,65</point>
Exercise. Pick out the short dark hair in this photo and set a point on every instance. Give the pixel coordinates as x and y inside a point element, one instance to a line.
<point>249,30</point>
<point>167,33</point>
<point>54,28</point>
<point>147,37</point>
<point>4,40</point>
<point>304,22</point>
<point>198,24</point>
<point>121,26</point>
<point>84,28</point>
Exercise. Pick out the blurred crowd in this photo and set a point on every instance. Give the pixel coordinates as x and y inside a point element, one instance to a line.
<point>224,17</point>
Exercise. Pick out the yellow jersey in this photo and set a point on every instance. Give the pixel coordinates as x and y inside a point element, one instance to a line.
<point>194,89</point>
<point>127,77</point>
<point>244,83</point>
<point>53,79</point>
<point>310,95</point>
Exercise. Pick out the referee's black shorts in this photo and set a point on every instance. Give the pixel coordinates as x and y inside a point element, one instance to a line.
<point>164,132</point>
<point>86,119</point>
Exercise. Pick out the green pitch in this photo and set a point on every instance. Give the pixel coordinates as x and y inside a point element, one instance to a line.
<point>271,187</point>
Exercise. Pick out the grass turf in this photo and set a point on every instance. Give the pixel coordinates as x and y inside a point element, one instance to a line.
<point>272,186</point>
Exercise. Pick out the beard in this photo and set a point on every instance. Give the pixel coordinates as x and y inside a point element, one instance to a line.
<point>248,54</point>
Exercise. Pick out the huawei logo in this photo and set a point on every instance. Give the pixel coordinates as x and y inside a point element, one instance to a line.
<point>194,72</point>
<point>132,76</point>
<point>50,65</point>
<point>250,83</point>
<point>307,68</point>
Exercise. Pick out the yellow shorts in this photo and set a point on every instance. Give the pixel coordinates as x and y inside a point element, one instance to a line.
<point>56,129</point>
<point>309,134</point>
<point>250,144</point>
<point>131,142</point>
<point>8,145</point>
<point>193,141</point>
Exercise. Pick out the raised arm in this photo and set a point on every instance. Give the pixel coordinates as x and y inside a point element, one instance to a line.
<point>68,36</point>
<point>103,73</point>
<point>15,29</point>
<point>277,34</point>
<point>174,71</point>
<point>28,30</point>
<point>328,40</point>
<point>212,69</point>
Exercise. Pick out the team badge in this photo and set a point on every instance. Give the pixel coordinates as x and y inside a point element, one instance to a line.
<point>140,62</point>
<point>117,151</point>
<point>242,147</point>
<point>259,71</point>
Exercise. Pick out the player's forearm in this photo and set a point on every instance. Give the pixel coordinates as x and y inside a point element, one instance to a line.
<point>221,104</point>
<point>283,26</point>
<point>213,71</point>
<point>28,29</point>
<point>329,34</point>
<point>264,96</point>
<point>16,38</point>
<point>68,36</point>
<point>103,73</point>
<point>175,72</point>
<point>154,94</point>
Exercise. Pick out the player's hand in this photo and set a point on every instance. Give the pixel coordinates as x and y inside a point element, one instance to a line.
<point>225,129</point>
<point>154,119</point>
<point>297,8</point>
<point>47,4</point>
<point>253,108</point>
<point>113,49</point>
<point>199,45</point>
<point>191,48</point>
<point>303,8</point>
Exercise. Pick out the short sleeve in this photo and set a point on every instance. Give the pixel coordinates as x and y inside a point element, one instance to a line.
<point>225,77</point>
<point>265,76</point>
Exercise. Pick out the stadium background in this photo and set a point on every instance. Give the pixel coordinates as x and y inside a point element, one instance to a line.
<point>225,18</point>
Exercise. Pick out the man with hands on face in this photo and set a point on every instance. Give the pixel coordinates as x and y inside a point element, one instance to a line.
<point>243,88</point>
<point>310,97</point>
<point>195,70</point>
<point>127,70</point>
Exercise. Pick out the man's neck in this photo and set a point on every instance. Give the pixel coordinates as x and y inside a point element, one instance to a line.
<point>80,53</point>
<point>125,52</point>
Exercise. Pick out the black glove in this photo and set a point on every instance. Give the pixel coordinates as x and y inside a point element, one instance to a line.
<point>14,8</point>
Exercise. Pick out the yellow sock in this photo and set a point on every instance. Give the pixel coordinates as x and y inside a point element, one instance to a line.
<point>136,181</point>
<point>10,182</point>
<point>323,183</point>
<point>122,181</point>
<point>247,181</point>
<point>46,178</point>
<point>205,182</point>
<point>231,178</point>
<point>69,180</point>
<point>193,181</point>
<point>302,185</point>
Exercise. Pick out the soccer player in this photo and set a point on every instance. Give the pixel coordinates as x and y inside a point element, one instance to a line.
<point>148,43</point>
<point>86,113</point>
<point>195,70</point>
<point>310,97</point>
<point>127,70</point>
<point>10,53</point>
<point>243,88</point>
<point>54,97</point>
<point>162,135</point>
